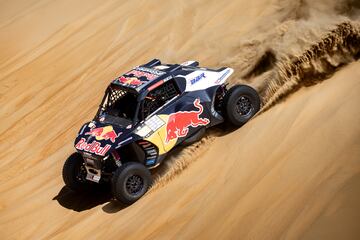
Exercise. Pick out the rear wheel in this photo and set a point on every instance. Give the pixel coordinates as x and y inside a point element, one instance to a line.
<point>130,182</point>
<point>74,173</point>
<point>241,103</point>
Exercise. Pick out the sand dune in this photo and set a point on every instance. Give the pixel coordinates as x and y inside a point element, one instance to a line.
<point>292,172</point>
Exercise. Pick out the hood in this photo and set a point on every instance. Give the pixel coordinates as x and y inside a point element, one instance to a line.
<point>101,139</point>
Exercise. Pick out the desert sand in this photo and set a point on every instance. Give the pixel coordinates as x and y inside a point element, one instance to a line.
<point>292,172</point>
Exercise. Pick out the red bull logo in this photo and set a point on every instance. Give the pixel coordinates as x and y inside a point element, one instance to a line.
<point>130,81</point>
<point>94,147</point>
<point>179,122</point>
<point>149,75</point>
<point>103,133</point>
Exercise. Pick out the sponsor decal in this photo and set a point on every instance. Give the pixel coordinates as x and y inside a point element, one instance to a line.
<point>187,63</point>
<point>154,123</point>
<point>150,126</point>
<point>197,78</point>
<point>179,122</point>
<point>150,162</point>
<point>167,78</point>
<point>93,177</point>
<point>94,147</point>
<point>139,74</point>
<point>104,133</point>
<point>130,81</point>
<point>150,70</point>
<point>148,73</point>
<point>223,76</point>
<point>161,67</point>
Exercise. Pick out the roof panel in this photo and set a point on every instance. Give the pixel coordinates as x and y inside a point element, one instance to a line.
<point>138,77</point>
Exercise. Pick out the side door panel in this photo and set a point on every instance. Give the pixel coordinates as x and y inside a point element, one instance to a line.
<point>182,119</point>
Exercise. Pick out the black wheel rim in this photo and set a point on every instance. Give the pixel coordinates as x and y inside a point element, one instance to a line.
<point>81,174</point>
<point>134,184</point>
<point>243,106</point>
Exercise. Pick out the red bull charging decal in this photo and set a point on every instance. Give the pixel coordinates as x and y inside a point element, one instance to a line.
<point>179,122</point>
<point>103,133</point>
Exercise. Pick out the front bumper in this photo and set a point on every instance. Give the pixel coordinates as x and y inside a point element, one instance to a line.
<point>93,165</point>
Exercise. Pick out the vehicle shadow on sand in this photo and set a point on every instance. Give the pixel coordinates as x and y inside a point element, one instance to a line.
<point>84,201</point>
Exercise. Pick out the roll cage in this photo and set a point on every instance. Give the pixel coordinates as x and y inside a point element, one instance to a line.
<point>119,102</point>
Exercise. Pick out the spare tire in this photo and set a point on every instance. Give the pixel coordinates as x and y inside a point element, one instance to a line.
<point>240,104</point>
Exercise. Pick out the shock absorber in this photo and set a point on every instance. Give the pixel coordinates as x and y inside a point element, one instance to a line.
<point>116,157</point>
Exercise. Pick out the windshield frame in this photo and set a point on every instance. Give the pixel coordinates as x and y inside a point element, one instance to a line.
<point>105,104</point>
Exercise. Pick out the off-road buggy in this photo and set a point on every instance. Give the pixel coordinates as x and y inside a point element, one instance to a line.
<point>144,114</point>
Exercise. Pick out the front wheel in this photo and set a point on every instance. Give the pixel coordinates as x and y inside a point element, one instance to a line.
<point>241,103</point>
<point>130,182</point>
<point>74,173</point>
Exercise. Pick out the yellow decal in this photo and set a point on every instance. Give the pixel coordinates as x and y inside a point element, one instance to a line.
<point>156,133</point>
